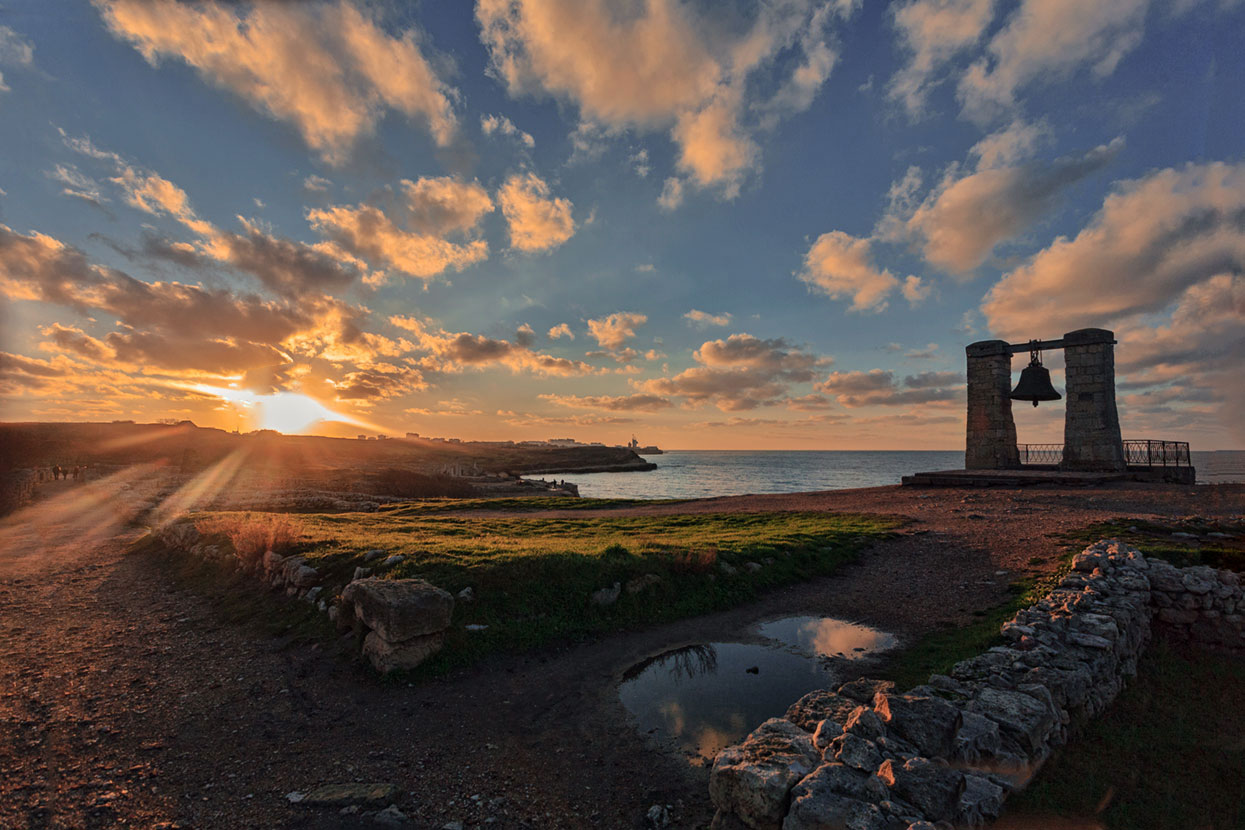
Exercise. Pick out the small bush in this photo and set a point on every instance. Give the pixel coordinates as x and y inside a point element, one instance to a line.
<point>694,561</point>
<point>252,534</point>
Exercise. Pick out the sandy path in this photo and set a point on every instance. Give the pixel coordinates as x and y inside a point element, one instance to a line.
<point>125,701</point>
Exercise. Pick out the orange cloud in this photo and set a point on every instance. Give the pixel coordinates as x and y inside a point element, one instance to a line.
<point>620,403</point>
<point>616,329</point>
<point>663,65</point>
<point>839,265</point>
<point>408,234</point>
<point>536,221</point>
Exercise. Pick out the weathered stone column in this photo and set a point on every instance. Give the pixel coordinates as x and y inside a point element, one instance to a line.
<point>1091,430</point>
<point>991,440</point>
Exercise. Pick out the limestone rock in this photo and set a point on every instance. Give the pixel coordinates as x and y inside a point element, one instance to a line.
<point>826,731</point>
<point>635,586</point>
<point>855,752</point>
<point>607,596</point>
<point>863,690</point>
<point>864,723</point>
<point>391,816</point>
<point>752,780</point>
<point>374,554</point>
<point>407,654</point>
<point>928,723</point>
<point>399,609</point>
<point>980,802</point>
<point>272,562</point>
<point>932,788</point>
<point>818,803</point>
<point>820,705</point>
<point>1019,715</point>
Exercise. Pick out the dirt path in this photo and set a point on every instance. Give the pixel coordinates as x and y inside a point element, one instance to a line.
<point>125,701</point>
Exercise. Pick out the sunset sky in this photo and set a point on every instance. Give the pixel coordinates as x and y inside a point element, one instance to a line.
<point>713,225</point>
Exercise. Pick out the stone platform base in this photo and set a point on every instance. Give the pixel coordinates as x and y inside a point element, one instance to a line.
<point>1047,477</point>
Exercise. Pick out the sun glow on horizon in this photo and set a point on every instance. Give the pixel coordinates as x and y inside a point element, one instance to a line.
<point>285,412</point>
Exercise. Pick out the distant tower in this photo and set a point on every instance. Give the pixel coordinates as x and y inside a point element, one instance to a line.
<point>634,443</point>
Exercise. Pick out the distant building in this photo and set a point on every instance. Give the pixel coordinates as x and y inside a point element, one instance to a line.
<point>412,435</point>
<point>362,437</point>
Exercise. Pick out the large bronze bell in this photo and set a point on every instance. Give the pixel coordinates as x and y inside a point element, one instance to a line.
<point>1035,383</point>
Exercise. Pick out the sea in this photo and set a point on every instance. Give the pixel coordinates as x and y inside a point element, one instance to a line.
<point>688,474</point>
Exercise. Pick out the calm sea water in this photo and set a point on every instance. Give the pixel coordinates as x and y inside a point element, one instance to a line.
<point>699,474</point>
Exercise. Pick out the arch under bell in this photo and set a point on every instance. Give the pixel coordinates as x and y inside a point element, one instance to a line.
<point>1035,384</point>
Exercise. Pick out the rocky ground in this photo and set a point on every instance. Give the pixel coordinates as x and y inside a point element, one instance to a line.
<point>126,701</point>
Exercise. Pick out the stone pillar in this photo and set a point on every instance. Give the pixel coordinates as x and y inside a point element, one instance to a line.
<point>991,440</point>
<point>1091,430</point>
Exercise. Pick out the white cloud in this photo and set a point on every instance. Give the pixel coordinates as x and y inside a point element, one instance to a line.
<point>704,318</point>
<point>671,194</point>
<point>934,32</point>
<point>490,124</point>
<point>1047,40</point>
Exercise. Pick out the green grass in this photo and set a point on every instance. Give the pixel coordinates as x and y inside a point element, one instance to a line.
<point>1170,753</point>
<point>938,651</point>
<point>1156,539</point>
<point>533,576</point>
<point>518,504</point>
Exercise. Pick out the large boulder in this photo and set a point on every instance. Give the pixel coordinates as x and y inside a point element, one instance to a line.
<point>399,609</point>
<point>386,656</point>
<point>752,780</point>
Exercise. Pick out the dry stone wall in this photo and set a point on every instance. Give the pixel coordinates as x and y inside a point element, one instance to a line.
<point>398,622</point>
<point>947,753</point>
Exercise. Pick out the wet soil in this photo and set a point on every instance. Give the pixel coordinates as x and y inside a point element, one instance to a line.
<point>128,701</point>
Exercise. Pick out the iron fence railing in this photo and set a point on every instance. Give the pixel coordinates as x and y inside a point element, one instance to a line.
<point>1040,453</point>
<point>1137,453</point>
<point>1157,453</point>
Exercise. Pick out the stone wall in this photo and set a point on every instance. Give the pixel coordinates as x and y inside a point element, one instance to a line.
<point>991,432</point>
<point>1091,432</point>
<point>399,623</point>
<point>865,757</point>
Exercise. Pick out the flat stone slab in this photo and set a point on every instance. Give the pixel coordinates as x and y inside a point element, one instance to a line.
<point>399,609</point>
<point>344,795</point>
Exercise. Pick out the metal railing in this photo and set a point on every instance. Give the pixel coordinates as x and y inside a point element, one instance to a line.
<point>1137,453</point>
<point>1157,453</point>
<point>1040,453</point>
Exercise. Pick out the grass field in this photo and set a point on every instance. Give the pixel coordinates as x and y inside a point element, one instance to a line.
<point>533,576</point>
<point>1170,752</point>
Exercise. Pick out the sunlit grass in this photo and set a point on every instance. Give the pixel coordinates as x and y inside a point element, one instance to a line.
<point>533,577</point>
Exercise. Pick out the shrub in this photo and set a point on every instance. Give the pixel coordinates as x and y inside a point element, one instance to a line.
<point>694,561</point>
<point>252,534</point>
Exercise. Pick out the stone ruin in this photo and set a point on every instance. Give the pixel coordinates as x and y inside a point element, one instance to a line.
<point>947,753</point>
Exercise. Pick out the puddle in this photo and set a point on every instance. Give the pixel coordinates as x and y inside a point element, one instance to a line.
<point>704,697</point>
<point>826,637</point>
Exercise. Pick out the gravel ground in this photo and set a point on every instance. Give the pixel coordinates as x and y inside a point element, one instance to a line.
<point>125,701</point>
